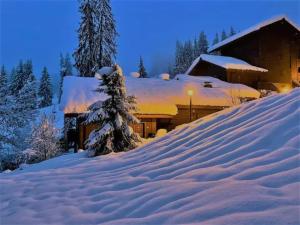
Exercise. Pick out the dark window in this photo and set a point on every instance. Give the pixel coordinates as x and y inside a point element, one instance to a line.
<point>298,69</point>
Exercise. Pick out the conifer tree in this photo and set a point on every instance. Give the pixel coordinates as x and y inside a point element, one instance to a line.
<point>223,35</point>
<point>112,115</point>
<point>65,70</point>
<point>3,77</point>
<point>179,61</point>
<point>216,39</point>
<point>68,65</point>
<point>17,79</point>
<point>106,47</point>
<point>85,54</point>
<point>232,31</point>
<point>142,69</point>
<point>97,37</point>
<point>202,43</point>
<point>45,90</point>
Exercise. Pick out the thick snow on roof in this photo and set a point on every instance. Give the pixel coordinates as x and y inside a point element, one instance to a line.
<point>225,62</point>
<point>252,29</point>
<point>238,166</point>
<point>155,96</point>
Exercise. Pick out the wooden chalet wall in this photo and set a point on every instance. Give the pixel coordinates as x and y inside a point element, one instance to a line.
<point>207,69</point>
<point>183,115</point>
<point>274,47</point>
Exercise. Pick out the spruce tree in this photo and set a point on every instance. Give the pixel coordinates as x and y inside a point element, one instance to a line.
<point>17,79</point>
<point>142,69</point>
<point>179,61</point>
<point>202,43</point>
<point>223,35</point>
<point>68,65</point>
<point>85,54</point>
<point>3,77</point>
<point>97,37</point>
<point>216,39</point>
<point>45,90</point>
<point>106,34</point>
<point>113,116</point>
<point>232,31</point>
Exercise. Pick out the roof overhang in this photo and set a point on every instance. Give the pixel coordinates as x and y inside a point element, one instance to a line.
<point>251,30</point>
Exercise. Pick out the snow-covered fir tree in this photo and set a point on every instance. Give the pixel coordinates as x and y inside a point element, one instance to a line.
<point>17,80</point>
<point>142,70</point>
<point>44,140</point>
<point>106,34</point>
<point>45,90</point>
<point>85,54</point>
<point>97,37</point>
<point>216,39</point>
<point>65,70</point>
<point>203,43</point>
<point>223,35</point>
<point>179,58</point>
<point>68,65</point>
<point>112,115</point>
<point>3,77</point>
<point>232,31</point>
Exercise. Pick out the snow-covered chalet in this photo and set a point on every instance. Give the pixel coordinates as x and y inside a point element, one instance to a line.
<point>162,104</point>
<point>265,56</point>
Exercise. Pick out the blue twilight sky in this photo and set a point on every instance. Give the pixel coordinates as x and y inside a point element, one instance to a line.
<point>41,29</point>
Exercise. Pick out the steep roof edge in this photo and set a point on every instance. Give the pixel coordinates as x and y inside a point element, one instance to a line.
<point>225,62</point>
<point>252,29</point>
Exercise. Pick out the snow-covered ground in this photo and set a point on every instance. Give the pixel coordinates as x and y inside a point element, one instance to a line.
<point>238,166</point>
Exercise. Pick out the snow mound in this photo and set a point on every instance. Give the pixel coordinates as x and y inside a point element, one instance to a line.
<point>238,166</point>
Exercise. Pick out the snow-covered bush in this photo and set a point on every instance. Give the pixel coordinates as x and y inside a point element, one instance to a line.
<point>113,116</point>
<point>165,76</point>
<point>135,74</point>
<point>44,140</point>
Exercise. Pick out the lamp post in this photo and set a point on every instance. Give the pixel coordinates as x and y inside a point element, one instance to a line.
<point>190,93</point>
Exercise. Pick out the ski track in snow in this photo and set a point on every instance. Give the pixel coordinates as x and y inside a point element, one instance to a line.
<point>238,166</point>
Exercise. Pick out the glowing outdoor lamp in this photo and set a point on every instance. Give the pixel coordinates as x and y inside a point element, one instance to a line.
<point>190,93</point>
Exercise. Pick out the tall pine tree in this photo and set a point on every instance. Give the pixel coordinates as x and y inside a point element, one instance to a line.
<point>106,34</point>
<point>65,70</point>
<point>223,35</point>
<point>232,31</point>
<point>45,90</point>
<point>97,37</point>
<point>3,77</point>
<point>17,81</point>
<point>112,115</point>
<point>142,69</point>
<point>216,39</point>
<point>85,54</point>
<point>202,44</point>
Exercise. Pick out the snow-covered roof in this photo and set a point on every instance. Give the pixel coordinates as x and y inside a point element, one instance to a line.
<point>155,96</point>
<point>252,29</point>
<point>225,62</point>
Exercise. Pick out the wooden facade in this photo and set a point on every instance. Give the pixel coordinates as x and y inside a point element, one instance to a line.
<point>247,77</point>
<point>78,132</point>
<point>275,47</point>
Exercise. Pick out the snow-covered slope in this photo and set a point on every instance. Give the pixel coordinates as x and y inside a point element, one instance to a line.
<point>239,166</point>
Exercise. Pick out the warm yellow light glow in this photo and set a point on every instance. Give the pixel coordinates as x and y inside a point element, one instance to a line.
<point>285,89</point>
<point>190,92</point>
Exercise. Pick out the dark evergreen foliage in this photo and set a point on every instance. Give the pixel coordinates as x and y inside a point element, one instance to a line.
<point>45,90</point>
<point>142,70</point>
<point>112,115</point>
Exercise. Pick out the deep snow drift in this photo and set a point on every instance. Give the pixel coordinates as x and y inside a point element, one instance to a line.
<point>239,166</point>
